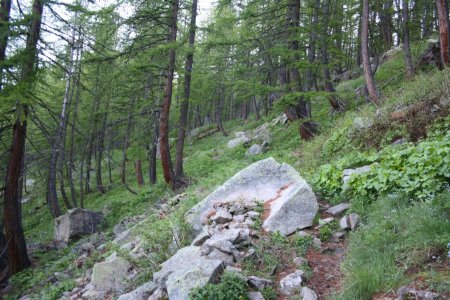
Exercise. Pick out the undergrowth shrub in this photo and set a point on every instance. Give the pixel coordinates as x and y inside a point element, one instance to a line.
<point>231,287</point>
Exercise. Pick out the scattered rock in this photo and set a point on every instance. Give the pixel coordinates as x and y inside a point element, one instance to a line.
<point>111,274</point>
<point>159,294</point>
<point>255,149</point>
<point>141,293</point>
<point>405,293</point>
<point>290,202</point>
<point>283,119</point>
<point>338,209</point>
<point>362,123</point>
<point>255,296</point>
<point>201,238</point>
<point>259,283</point>
<point>308,294</point>
<point>237,142</point>
<point>292,283</point>
<point>76,223</point>
<point>300,261</point>
<point>222,216</point>
<point>350,221</point>
<point>123,238</point>
<point>186,270</point>
<point>349,172</point>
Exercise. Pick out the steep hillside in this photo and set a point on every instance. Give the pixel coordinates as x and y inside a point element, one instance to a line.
<point>400,199</point>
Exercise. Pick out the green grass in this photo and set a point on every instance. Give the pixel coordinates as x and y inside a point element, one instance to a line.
<point>390,245</point>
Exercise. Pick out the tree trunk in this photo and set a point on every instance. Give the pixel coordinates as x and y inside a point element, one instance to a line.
<point>100,148</point>
<point>57,147</point>
<point>442,11</point>
<point>406,46</point>
<point>219,113</point>
<point>386,24</point>
<point>179,172</point>
<point>169,173</point>
<point>138,168</point>
<point>17,249</point>
<point>93,131</point>
<point>5,9</point>
<point>153,148</point>
<point>370,81</point>
<point>125,143</point>
<point>335,105</point>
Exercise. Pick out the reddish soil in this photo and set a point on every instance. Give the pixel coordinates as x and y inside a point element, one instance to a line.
<point>268,204</point>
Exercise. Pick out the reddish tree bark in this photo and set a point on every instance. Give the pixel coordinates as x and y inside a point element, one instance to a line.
<point>17,250</point>
<point>442,11</point>
<point>139,177</point>
<point>169,174</point>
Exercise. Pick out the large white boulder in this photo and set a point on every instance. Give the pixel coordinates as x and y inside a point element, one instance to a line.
<point>289,201</point>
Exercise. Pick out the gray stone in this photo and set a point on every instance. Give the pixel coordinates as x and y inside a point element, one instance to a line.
<point>222,216</point>
<point>255,149</point>
<point>308,294</point>
<point>362,123</point>
<point>323,222</point>
<point>255,296</point>
<point>119,228</point>
<point>93,295</point>
<point>338,209</point>
<point>123,238</point>
<point>219,255</point>
<point>238,141</point>
<point>76,223</point>
<point>292,283</point>
<point>300,261</point>
<point>141,293</point>
<point>282,119</point>
<point>350,221</point>
<point>201,238</point>
<point>292,203</point>
<point>186,270</point>
<point>111,274</point>
<point>159,294</point>
<point>347,173</point>
<point>259,283</point>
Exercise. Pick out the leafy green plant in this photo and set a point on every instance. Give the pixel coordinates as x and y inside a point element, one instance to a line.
<point>231,287</point>
<point>302,244</point>
<point>326,231</point>
<point>269,293</point>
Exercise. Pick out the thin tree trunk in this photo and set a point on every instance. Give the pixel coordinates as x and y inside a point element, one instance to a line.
<point>100,149</point>
<point>442,11</point>
<point>406,46</point>
<point>219,113</point>
<point>17,250</point>
<point>169,173</point>
<point>324,52</point>
<point>57,147</point>
<point>5,9</point>
<point>93,131</point>
<point>370,81</point>
<point>179,172</point>
<point>125,143</point>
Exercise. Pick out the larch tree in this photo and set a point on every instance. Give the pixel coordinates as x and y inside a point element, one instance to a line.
<point>17,250</point>
<point>442,12</point>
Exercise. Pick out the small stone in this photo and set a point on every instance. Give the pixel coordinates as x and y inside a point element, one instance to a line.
<point>300,261</point>
<point>259,283</point>
<point>354,220</point>
<point>201,238</point>
<point>317,242</point>
<point>255,296</point>
<point>159,294</point>
<point>292,283</point>
<point>123,238</point>
<point>141,293</point>
<point>222,216</point>
<point>308,294</point>
<point>303,233</point>
<point>239,218</point>
<point>338,209</point>
<point>219,255</point>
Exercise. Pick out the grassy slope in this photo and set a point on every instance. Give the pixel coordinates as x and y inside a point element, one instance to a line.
<point>209,163</point>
